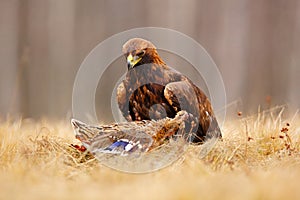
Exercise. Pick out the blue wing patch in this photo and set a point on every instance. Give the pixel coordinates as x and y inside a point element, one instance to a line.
<point>121,146</point>
<point>124,144</point>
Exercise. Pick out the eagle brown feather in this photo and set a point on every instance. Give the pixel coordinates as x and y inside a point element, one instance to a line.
<point>151,82</point>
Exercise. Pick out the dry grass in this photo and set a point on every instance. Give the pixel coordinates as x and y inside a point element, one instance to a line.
<point>257,159</point>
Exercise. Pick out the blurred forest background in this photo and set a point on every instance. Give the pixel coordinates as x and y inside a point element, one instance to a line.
<point>255,44</point>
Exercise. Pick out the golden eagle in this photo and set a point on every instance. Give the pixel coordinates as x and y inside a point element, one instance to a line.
<point>153,90</point>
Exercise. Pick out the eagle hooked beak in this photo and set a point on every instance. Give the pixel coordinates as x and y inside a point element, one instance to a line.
<point>132,61</point>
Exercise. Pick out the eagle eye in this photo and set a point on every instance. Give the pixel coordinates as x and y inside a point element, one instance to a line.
<point>141,53</point>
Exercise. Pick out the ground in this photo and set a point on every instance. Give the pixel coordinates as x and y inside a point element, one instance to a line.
<point>258,158</point>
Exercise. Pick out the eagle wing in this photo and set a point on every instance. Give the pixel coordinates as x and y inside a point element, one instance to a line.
<point>184,95</point>
<point>181,96</point>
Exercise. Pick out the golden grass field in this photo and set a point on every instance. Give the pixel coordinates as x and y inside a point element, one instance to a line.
<point>258,158</point>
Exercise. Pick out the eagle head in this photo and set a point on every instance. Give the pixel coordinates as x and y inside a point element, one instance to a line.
<point>139,51</point>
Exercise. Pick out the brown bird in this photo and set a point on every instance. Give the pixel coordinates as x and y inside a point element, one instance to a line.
<point>129,137</point>
<point>153,90</point>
